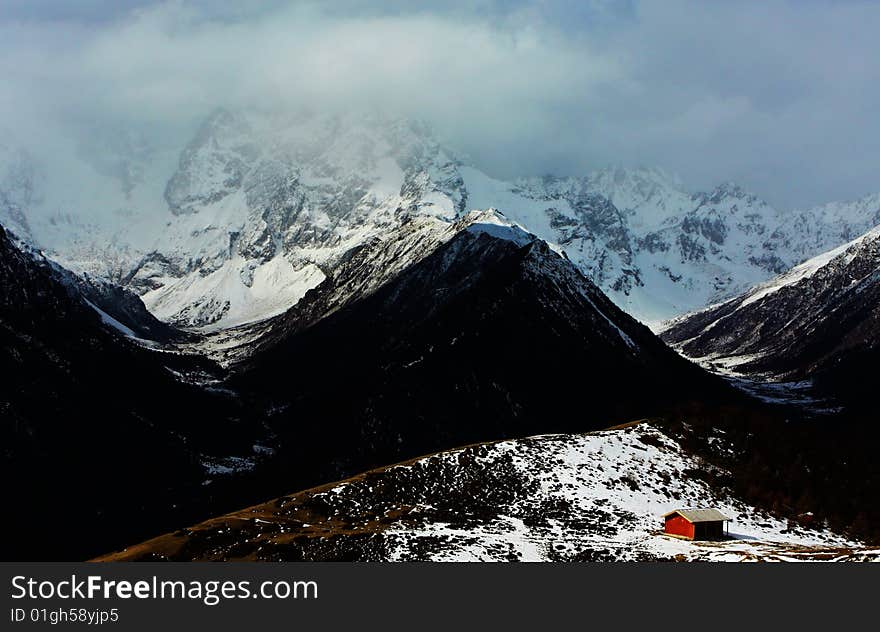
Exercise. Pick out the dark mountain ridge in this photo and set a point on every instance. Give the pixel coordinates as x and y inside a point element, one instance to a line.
<point>818,322</point>
<point>96,428</point>
<point>484,337</point>
<point>436,336</point>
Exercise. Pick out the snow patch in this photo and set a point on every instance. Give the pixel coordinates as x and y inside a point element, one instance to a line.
<point>107,319</point>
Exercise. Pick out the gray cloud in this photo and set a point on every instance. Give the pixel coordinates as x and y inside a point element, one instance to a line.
<point>780,96</point>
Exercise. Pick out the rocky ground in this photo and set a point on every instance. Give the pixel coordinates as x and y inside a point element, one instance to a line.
<point>591,497</point>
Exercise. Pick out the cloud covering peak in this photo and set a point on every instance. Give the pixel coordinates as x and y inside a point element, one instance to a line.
<point>780,95</point>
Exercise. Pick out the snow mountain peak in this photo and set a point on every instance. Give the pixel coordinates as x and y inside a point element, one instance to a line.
<point>258,207</point>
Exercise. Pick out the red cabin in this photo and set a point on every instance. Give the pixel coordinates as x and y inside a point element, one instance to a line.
<point>695,524</point>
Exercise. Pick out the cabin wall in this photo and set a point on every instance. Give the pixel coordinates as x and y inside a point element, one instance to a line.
<point>676,525</point>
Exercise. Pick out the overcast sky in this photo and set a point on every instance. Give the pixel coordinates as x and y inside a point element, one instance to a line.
<point>780,96</point>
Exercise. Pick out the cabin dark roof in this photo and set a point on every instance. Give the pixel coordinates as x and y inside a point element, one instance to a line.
<point>698,515</point>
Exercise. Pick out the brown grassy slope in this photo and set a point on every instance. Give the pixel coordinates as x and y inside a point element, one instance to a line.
<point>321,524</point>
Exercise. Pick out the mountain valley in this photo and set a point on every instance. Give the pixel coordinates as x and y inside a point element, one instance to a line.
<point>290,299</point>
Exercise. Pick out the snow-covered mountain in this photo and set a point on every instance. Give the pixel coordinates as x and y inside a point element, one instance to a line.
<point>820,320</point>
<point>17,184</point>
<point>430,335</point>
<point>590,497</point>
<point>439,334</point>
<point>263,210</point>
<point>817,230</point>
<point>662,251</point>
<point>259,208</point>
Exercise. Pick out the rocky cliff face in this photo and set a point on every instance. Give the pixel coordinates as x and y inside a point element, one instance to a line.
<point>264,209</point>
